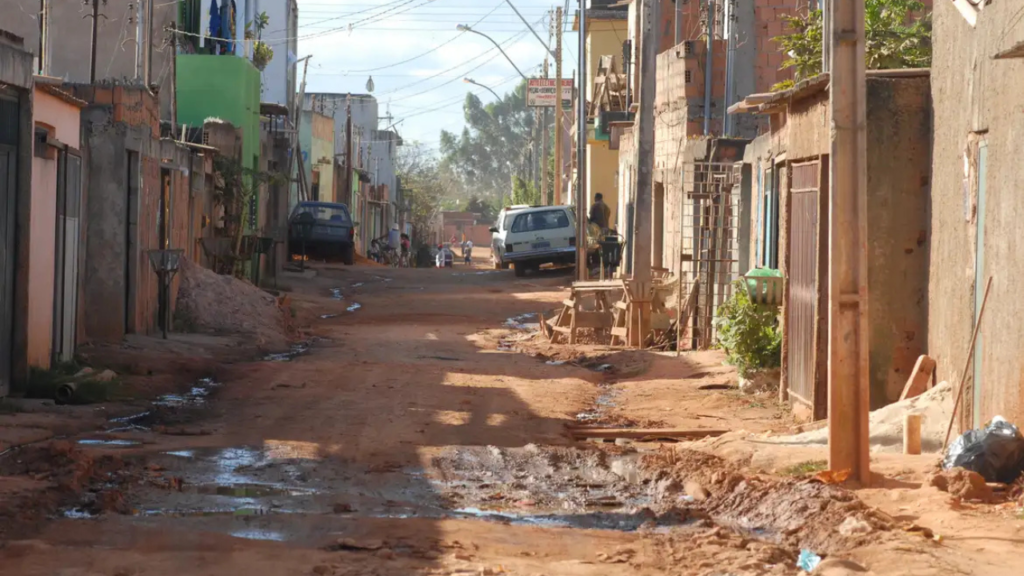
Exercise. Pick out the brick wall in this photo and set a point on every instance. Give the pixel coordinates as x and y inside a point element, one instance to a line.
<point>132,105</point>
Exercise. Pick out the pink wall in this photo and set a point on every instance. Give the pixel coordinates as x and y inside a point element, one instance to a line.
<point>64,119</point>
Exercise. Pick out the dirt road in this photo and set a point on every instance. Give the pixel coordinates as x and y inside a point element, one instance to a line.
<point>414,433</point>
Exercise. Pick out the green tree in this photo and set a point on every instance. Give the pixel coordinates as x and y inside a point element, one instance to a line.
<point>523,192</point>
<point>490,148</point>
<point>898,32</point>
<point>485,209</point>
<point>428,184</point>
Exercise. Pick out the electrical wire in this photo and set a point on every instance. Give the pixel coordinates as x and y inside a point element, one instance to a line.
<point>431,51</point>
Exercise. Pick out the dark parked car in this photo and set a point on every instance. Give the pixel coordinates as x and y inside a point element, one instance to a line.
<point>333,233</point>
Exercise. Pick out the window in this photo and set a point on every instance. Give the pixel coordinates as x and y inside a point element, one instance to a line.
<point>689,77</point>
<point>537,221</point>
<point>336,214</point>
<point>768,233</point>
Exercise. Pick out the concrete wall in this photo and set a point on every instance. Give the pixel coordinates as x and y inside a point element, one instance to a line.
<point>899,161</point>
<point>120,290</point>
<point>16,75</point>
<point>61,119</point>
<point>224,87</point>
<point>279,77</point>
<point>977,102</point>
<point>71,36</point>
<point>317,135</point>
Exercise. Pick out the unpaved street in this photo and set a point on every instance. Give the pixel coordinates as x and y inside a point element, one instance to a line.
<point>420,428</point>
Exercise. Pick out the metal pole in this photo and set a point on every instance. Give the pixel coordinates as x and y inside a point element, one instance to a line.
<point>679,22</point>
<point>559,124</point>
<point>496,45</point>
<point>727,32</point>
<point>708,61</point>
<point>848,368</point>
<point>174,81</point>
<point>149,42</point>
<point>581,151</point>
<point>140,53</point>
<point>92,47</point>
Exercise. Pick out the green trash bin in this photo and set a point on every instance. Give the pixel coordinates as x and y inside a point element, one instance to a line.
<point>764,286</point>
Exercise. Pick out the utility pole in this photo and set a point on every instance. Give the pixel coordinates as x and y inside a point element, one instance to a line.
<point>150,18</point>
<point>544,141</point>
<point>348,147</point>
<point>581,150</point>
<point>642,237</point>
<point>679,22</point>
<point>708,61</point>
<point>174,80</point>
<point>44,32</point>
<point>95,26</point>
<point>559,127</point>
<point>848,384</point>
<point>140,53</point>
<point>297,122</point>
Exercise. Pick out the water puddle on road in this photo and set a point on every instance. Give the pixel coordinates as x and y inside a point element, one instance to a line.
<point>355,306</point>
<point>336,294</point>
<point>104,443</point>
<point>196,396</point>
<point>297,350</point>
<point>288,486</point>
<point>521,322</point>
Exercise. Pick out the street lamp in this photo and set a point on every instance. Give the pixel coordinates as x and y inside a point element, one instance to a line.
<point>465,28</point>
<point>475,83</point>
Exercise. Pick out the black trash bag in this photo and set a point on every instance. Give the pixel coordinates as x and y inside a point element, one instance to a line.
<point>996,452</point>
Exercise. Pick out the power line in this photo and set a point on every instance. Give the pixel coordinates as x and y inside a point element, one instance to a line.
<point>431,51</point>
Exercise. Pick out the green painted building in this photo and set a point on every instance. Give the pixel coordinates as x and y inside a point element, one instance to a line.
<point>224,87</point>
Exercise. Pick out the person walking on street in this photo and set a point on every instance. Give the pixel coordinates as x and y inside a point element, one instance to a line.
<point>600,213</point>
<point>467,251</point>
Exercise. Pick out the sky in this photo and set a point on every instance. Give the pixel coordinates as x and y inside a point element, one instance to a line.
<point>418,59</point>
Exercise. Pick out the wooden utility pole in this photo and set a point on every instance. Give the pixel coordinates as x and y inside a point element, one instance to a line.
<point>544,143</point>
<point>348,146</point>
<point>559,168</point>
<point>296,155</point>
<point>848,384</point>
<point>95,26</point>
<point>581,149</point>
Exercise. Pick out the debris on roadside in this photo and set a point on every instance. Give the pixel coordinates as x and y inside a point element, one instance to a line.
<point>963,484</point>
<point>996,452</point>
<point>211,303</point>
<point>808,561</point>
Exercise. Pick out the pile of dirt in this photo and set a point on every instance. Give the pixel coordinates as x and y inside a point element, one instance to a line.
<point>801,514</point>
<point>214,304</point>
<point>962,484</point>
<point>935,407</point>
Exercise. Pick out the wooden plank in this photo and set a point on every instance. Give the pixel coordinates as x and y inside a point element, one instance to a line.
<point>920,377</point>
<point>620,331</point>
<point>622,305</point>
<point>569,303</point>
<point>687,433</point>
<point>592,285</point>
<point>561,329</point>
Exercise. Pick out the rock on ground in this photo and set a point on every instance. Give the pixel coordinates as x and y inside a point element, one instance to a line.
<point>210,303</point>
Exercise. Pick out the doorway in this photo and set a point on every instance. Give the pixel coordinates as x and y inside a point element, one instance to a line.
<point>9,136</point>
<point>66,255</point>
<point>163,228</point>
<point>131,258</point>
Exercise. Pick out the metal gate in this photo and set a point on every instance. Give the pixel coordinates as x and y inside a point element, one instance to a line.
<point>804,300</point>
<point>706,244</point>
<point>9,121</point>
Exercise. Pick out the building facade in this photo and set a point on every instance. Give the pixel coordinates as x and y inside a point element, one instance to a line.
<point>978,74</point>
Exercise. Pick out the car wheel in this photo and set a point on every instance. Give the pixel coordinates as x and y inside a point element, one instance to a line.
<point>348,255</point>
<point>520,270</point>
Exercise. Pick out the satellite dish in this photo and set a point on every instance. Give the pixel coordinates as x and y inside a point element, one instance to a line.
<point>369,84</point>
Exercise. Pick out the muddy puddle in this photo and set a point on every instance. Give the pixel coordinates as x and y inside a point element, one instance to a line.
<point>355,306</point>
<point>195,396</point>
<point>109,443</point>
<point>526,321</point>
<point>297,349</point>
<point>602,405</point>
<point>279,484</point>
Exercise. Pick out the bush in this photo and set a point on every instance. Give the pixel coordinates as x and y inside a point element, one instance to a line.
<point>749,333</point>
